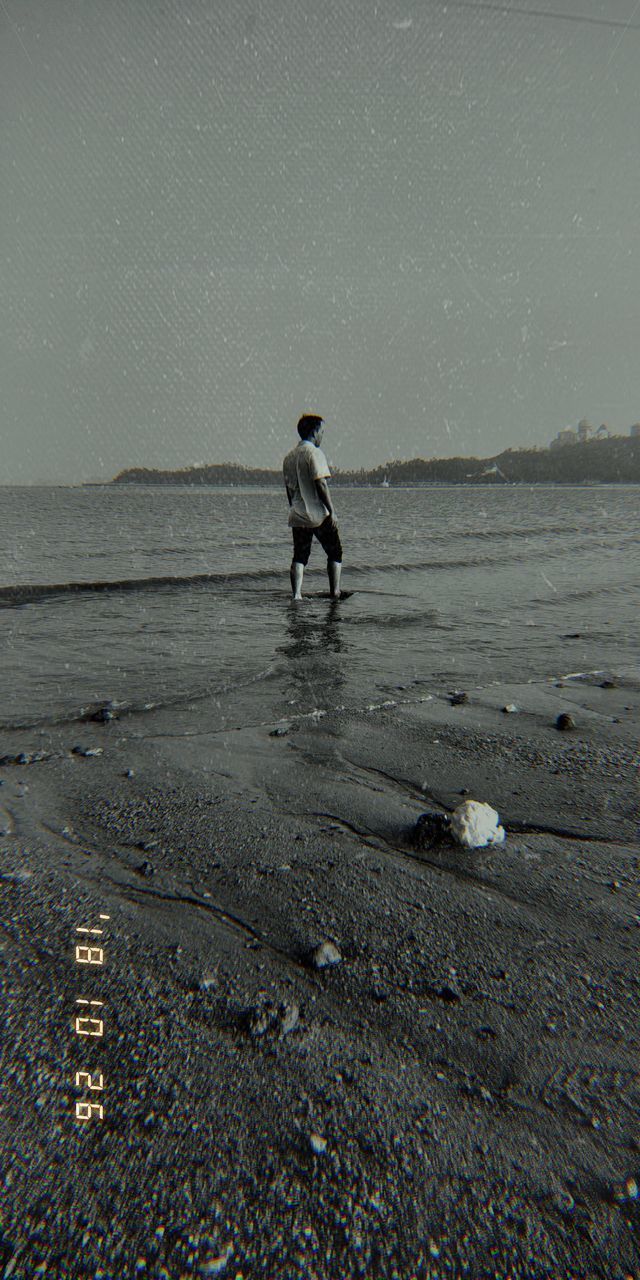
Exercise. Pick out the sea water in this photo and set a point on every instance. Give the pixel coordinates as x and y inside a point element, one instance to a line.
<point>454,586</point>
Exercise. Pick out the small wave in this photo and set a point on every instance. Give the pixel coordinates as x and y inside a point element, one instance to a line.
<point>397,621</point>
<point>24,592</point>
<point>422,566</point>
<point>536,531</point>
<point>525,555</point>
<point>565,596</point>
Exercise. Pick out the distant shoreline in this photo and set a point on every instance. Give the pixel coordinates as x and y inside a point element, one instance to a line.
<point>611,461</point>
<point>350,484</point>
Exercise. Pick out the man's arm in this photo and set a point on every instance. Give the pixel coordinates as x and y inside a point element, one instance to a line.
<point>289,494</point>
<point>322,489</point>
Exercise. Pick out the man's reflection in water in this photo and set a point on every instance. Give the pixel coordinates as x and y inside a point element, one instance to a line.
<point>315,648</point>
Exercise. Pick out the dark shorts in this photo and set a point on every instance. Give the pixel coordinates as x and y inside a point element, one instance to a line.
<point>328,537</point>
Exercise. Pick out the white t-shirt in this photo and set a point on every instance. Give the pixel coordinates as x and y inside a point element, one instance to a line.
<point>301,468</point>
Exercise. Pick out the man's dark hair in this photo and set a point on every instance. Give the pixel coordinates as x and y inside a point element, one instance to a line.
<point>307,424</point>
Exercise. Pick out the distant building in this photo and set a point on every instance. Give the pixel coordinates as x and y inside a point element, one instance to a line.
<point>635,430</point>
<point>585,431</point>
<point>603,432</point>
<point>564,437</point>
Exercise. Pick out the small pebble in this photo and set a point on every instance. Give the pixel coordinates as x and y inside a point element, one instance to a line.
<point>326,954</point>
<point>289,1019</point>
<point>564,1201</point>
<point>510,708</point>
<point>318,1144</point>
<point>215,1266</point>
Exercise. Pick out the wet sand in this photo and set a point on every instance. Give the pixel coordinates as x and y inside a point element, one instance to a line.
<point>458,1096</point>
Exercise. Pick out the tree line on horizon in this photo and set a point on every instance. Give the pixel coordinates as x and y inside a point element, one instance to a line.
<point>609,461</point>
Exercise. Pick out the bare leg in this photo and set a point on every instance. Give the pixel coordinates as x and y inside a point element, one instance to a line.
<point>297,574</point>
<point>334,569</point>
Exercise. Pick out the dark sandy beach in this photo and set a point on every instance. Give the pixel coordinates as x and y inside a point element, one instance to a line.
<point>458,1096</point>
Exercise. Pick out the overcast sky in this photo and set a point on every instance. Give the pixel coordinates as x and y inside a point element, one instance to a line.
<point>419,220</point>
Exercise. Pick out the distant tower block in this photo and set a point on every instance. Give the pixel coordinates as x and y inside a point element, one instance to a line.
<point>585,431</point>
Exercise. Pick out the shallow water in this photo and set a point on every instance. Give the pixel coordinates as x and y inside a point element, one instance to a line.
<point>453,587</point>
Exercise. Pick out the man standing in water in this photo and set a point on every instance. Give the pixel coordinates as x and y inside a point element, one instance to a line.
<point>310,507</point>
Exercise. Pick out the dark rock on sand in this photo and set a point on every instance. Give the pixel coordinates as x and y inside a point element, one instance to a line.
<point>458,697</point>
<point>431,828</point>
<point>103,714</point>
<point>565,721</point>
